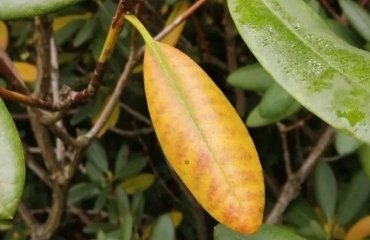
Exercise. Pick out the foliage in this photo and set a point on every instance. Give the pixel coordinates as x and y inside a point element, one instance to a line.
<point>302,59</point>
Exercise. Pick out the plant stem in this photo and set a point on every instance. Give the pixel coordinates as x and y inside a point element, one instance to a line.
<point>142,30</point>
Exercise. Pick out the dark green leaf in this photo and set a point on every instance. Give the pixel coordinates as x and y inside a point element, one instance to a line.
<point>85,33</point>
<point>101,200</point>
<point>94,173</point>
<point>266,232</point>
<point>12,9</point>
<point>326,189</point>
<point>96,154</point>
<point>123,204</point>
<point>67,32</point>
<point>299,214</point>
<point>325,74</point>
<point>359,17</point>
<point>251,77</point>
<point>354,198</point>
<point>255,119</point>
<point>275,102</point>
<point>12,165</point>
<point>163,229</point>
<point>133,167</point>
<point>364,155</point>
<point>121,160</point>
<point>82,191</point>
<point>345,144</point>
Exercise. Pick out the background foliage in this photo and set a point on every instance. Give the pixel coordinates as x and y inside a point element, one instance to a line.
<point>124,189</point>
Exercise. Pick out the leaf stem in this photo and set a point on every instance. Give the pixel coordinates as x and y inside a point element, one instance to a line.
<point>141,28</point>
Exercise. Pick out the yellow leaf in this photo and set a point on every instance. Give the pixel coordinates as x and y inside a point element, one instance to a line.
<point>60,22</point>
<point>203,138</point>
<point>360,230</point>
<point>4,35</point>
<point>173,37</point>
<point>138,183</point>
<point>176,217</point>
<point>112,120</point>
<point>28,72</point>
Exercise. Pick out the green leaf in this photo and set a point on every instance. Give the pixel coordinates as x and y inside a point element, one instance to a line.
<point>326,189</point>
<point>364,155</point>
<point>255,119</point>
<point>96,154</point>
<point>344,32</point>
<point>275,102</point>
<point>126,227</point>
<point>13,9</point>
<point>325,74</point>
<point>358,17</point>
<point>67,32</point>
<point>133,167</point>
<point>121,159</point>
<point>354,198</point>
<point>266,232</point>
<point>12,165</point>
<point>85,33</point>
<point>101,235</point>
<point>82,191</point>
<point>345,144</point>
<point>163,229</point>
<point>123,204</point>
<point>251,77</point>
<point>299,213</point>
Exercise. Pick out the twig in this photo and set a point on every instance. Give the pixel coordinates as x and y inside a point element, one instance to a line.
<point>136,114</point>
<point>180,19</point>
<point>132,133</point>
<point>292,186</point>
<point>40,172</point>
<point>288,166</point>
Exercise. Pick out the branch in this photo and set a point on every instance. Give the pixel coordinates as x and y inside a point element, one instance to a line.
<point>291,187</point>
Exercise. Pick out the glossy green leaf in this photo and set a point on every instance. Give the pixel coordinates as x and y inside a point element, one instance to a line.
<point>255,119</point>
<point>325,74</point>
<point>251,77</point>
<point>364,155</point>
<point>354,198</point>
<point>266,232</point>
<point>275,102</point>
<point>359,17</point>
<point>13,9</point>
<point>326,189</point>
<point>12,165</point>
<point>345,144</point>
<point>163,229</point>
